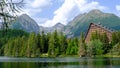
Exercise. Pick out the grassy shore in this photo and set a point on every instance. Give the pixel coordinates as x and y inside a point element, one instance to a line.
<point>46,55</point>
<point>106,55</point>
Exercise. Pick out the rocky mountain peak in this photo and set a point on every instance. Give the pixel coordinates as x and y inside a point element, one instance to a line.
<point>58,25</point>
<point>26,23</point>
<point>81,23</point>
<point>95,11</point>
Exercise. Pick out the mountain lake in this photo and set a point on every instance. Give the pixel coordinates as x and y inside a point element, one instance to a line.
<point>66,62</point>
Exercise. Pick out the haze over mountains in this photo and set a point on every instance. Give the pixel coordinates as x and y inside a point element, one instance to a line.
<point>73,28</point>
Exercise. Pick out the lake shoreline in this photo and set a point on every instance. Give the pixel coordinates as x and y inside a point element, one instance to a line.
<point>63,56</point>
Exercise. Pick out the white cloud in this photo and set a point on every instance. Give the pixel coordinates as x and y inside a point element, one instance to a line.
<point>40,20</point>
<point>34,7</point>
<point>118,9</point>
<point>89,6</point>
<point>71,8</point>
<point>40,3</point>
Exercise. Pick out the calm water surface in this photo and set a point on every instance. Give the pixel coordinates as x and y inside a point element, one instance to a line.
<point>68,62</point>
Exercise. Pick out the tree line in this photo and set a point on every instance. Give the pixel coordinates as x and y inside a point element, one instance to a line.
<point>18,43</point>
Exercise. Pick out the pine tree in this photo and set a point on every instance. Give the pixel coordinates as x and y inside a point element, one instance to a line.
<point>16,47</point>
<point>63,43</point>
<point>42,41</point>
<point>47,43</point>
<point>32,46</point>
<point>72,49</point>
<point>8,48</point>
<point>82,46</point>
<point>105,42</point>
<point>23,46</point>
<point>115,38</point>
<point>51,49</point>
<point>69,46</point>
<point>38,40</point>
<point>76,46</point>
<point>56,43</point>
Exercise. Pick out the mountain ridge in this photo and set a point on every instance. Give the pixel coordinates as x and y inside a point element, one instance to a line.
<point>26,23</point>
<point>82,21</point>
<point>79,24</point>
<point>59,27</point>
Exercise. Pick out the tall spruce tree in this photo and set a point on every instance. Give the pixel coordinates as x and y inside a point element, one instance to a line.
<point>51,49</point>
<point>23,46</point>
<point>56,43</point>
<point>69,47</point>
<point>38,40</point>
<point>43,41</point>
<point>8,47</point>
<point>47,42</point>
<point>82,46</point>
<point>32,45</point>
<point>105,42</point>
<point>63,43</point>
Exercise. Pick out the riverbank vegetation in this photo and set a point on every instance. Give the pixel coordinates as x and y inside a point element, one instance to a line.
<point>17,43</point>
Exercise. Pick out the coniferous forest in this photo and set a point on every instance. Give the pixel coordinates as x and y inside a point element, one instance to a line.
<point>18,43</point>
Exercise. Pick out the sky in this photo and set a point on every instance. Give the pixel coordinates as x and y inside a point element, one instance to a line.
<point>49,12</point>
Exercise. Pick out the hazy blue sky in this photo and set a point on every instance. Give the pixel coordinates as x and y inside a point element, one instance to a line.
<point>50,12</point>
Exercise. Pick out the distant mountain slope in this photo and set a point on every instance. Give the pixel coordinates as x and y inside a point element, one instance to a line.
<point>74,28</point>
<point>59,27</point>
<point>26,23</point>
<point>81,22</point>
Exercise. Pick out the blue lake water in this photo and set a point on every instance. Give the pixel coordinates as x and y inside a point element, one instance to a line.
<point>67,62</point>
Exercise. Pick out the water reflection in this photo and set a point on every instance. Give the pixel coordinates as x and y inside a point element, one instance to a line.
<point>37,65</point>
<point>60,63</point>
